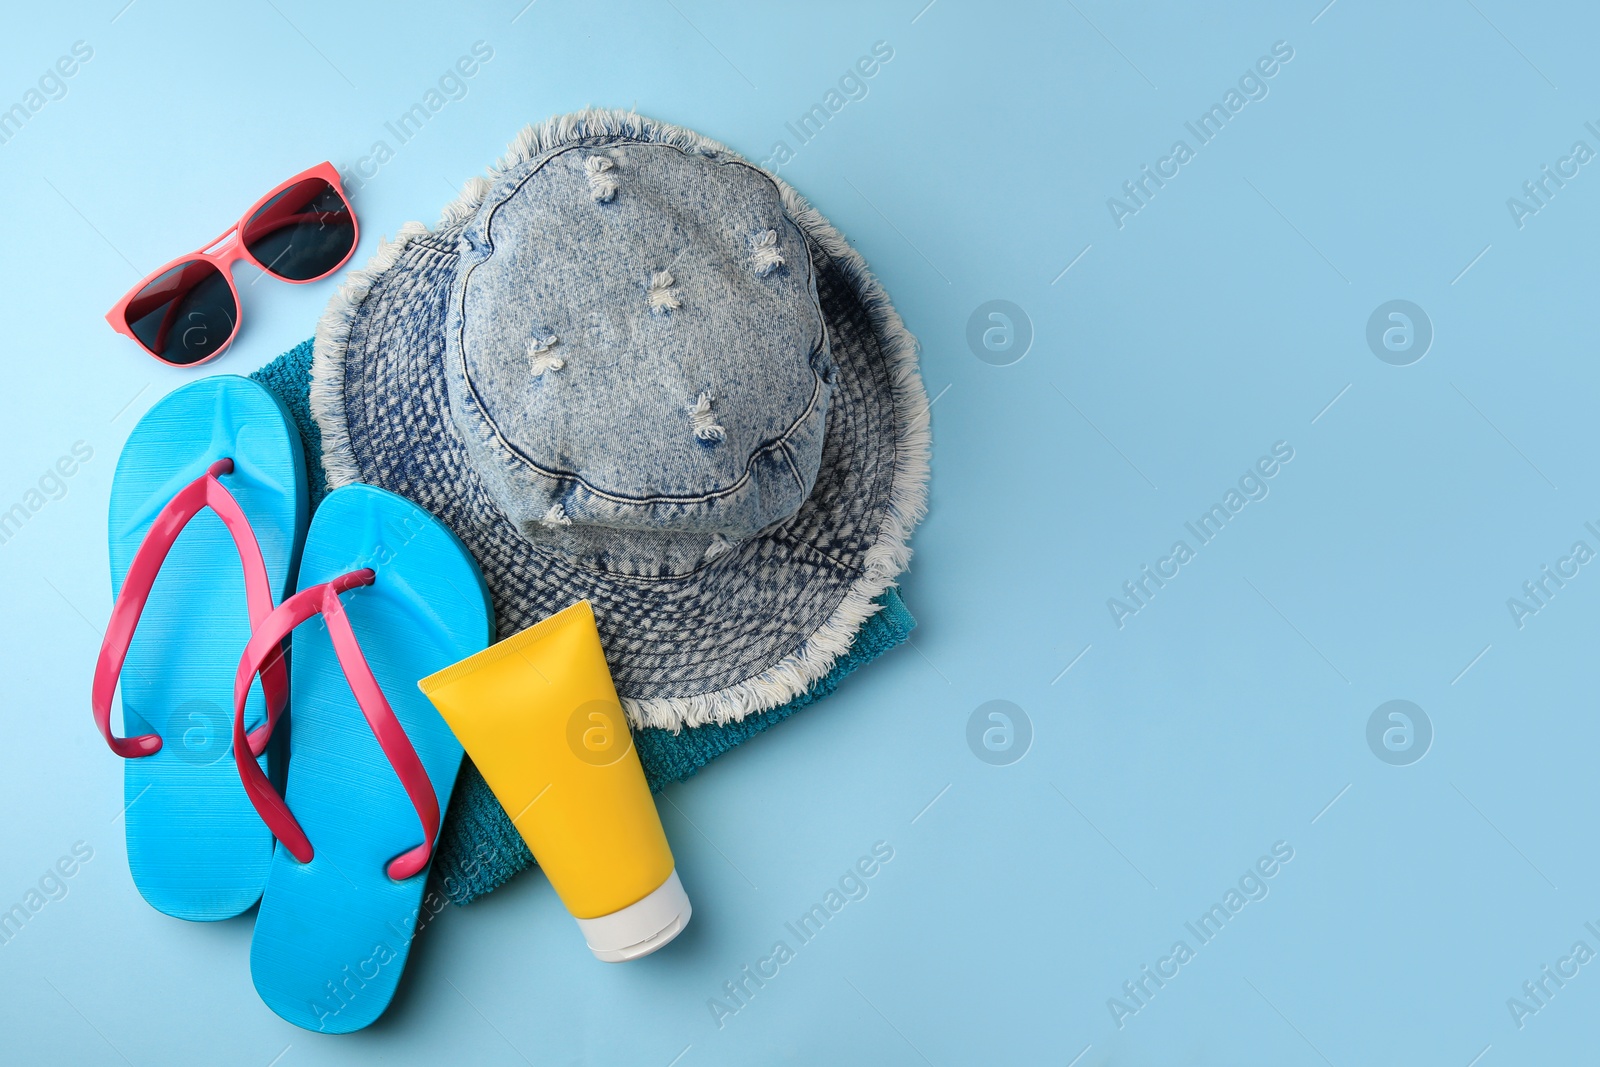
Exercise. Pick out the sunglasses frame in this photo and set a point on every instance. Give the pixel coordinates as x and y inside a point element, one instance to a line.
<point>227,249</point>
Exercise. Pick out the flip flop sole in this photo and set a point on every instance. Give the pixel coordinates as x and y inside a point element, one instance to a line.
<point>333,935</point>
<point>196,848</point>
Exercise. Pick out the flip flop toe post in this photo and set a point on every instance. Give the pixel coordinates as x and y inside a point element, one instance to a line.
<point>386,596</point>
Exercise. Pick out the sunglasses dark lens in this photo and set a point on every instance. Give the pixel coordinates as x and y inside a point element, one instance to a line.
<point>185,315</point>
<point>304,232</point>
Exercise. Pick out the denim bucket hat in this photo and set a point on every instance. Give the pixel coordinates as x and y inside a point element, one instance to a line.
<point>630,367</point>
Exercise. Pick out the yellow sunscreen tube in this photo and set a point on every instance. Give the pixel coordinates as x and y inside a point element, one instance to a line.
<point>539,715</point>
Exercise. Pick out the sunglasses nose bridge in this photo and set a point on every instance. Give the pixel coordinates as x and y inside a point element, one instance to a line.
<point>227,247</point>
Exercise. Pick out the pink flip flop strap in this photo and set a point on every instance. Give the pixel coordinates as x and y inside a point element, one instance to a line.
<point>324,600</point>
<point>204,492</point>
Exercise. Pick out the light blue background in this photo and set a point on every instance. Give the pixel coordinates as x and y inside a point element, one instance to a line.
<point>1225,716</point>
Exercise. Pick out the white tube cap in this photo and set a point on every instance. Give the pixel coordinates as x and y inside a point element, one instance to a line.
<point>641,927</point>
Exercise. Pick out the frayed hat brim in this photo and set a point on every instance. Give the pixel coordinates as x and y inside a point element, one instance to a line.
<point>659,680</point>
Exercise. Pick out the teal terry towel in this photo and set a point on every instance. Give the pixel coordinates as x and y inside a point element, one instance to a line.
<point>479,849</point>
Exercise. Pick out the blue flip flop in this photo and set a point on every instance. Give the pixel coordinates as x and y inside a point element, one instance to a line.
<point>392,596</point>
<point>208,508</point>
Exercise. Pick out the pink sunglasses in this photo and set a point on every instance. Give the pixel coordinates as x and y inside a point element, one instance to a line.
<point>187,313</point>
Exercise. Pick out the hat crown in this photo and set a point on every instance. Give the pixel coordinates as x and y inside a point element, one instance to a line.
<point>635,354</point>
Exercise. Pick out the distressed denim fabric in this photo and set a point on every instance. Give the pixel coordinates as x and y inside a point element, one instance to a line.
<point>638,371</point>
<point>630,367</point>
